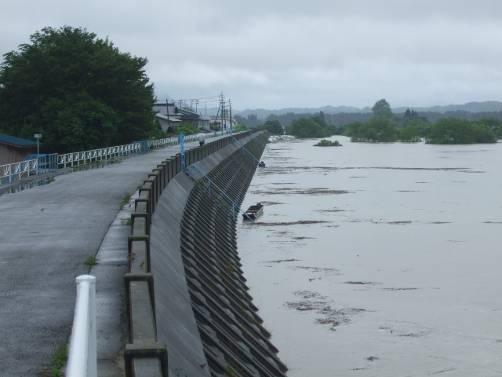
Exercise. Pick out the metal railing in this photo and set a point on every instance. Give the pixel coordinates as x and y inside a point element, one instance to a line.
<point>23,169</point>
<point>82,355</point>
<point>12,172</point>
<point>17,170</point>
<point>95,155</point>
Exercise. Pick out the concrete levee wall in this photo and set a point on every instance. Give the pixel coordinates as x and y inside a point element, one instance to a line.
<point>189,310</point>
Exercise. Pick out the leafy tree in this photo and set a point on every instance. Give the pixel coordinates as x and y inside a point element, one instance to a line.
<point>79,91</point>
<point>311,127</point>
<point>305,128</point>
<point>238,127</point>
<point>410,134</point>
<point>274,127</point>
<point>460,131</point>
<point>381,109</point>
<point>495,125</point>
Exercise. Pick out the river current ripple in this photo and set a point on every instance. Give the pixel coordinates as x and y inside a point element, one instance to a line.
<point>378,259</point>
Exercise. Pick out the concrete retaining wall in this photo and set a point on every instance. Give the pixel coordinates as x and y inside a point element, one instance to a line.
<point>189,312</point>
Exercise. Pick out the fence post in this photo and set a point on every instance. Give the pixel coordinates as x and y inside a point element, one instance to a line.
<point>82,356</point>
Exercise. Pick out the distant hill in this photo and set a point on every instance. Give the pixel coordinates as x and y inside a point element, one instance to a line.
<point>264,113</point>
<point>470,107</point>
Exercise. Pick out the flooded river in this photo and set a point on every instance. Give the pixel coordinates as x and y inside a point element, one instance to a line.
<point>379,259</point>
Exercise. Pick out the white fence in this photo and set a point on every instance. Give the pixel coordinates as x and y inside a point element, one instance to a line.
<point>82,355</point>
<point>85,157</point>
<point>18,170</point>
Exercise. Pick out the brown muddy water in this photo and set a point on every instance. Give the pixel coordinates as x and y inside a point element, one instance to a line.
<point>379,259</point>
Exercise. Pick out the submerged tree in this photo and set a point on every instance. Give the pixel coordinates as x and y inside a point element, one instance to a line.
<point>381,109</point>
<point>274,127</point>
<point>78,90</point>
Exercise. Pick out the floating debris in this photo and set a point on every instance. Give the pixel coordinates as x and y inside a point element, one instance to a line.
<point>310,191</point>
<point>283,260</point>
<point>317,269</point>
<point>286,223</point>
<point>331,210</point>
<point>314,301</point>
<point>270,203</point>
<point>397,222</point>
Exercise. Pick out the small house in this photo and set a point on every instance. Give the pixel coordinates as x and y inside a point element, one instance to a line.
<point>14,149</point>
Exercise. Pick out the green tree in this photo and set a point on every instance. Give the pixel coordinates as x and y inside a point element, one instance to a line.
<point>79,91</point>
<point>381,109</point>
<point>459,131</point>
<point>305,128</point>
<point>274,127</point>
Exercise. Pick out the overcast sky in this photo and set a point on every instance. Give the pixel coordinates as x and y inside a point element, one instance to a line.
<point>284,53</point>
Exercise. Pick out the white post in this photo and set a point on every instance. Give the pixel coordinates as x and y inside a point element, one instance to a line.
<point>82,356</point>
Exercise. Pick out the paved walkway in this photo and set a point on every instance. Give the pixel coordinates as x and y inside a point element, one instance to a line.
<point>46,233</point>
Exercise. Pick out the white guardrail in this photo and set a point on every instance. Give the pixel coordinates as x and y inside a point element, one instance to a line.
<point>82,355</point>
<point>22,169</point>
<point>18,170</point>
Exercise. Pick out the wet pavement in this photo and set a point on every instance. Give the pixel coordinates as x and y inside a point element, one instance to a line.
<point>46,234</point>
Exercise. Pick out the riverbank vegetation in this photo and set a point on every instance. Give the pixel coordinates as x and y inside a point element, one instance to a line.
<point>312,127</point>
<point>384,126</point>
<point>328,143</point>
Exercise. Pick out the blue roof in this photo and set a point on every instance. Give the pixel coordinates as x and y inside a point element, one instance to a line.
<point>16,141</point>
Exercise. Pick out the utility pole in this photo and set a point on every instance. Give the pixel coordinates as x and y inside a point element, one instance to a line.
<point>222,105</point>
<point>167,113</point>
<point>230,116</point>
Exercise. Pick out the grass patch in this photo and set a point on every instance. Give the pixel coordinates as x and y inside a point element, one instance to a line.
<point>90,261</point>
<point>57,363</point>
<point>125,200</point>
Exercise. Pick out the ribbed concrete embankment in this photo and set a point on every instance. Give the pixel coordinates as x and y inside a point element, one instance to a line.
<point>203,312</point>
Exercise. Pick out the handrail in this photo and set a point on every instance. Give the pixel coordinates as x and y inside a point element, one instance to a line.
<point>22,169</point>
<point>82,356</point>
<point>18,170</point>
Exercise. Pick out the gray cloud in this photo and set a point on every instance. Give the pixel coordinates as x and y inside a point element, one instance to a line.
<point>293,53</point>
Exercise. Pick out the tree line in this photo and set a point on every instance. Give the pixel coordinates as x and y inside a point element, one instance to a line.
<point>384,126</point>
<point>76,89</point>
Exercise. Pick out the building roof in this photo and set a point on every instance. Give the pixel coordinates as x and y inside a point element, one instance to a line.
<point>165,117</point>
<point>16,141</point>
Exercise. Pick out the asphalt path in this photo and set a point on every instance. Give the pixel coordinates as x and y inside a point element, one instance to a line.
<point>46,233</point>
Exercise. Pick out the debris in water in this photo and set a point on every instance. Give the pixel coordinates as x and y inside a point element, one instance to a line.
<point>317,269</point>
<point>361,282</point>
<point>331,210</point>
<point>399,222</point>
<point>442,371</point>
<point>328,315</point>
<point>286,223</point>
<point>283,260</point>
<point>372,358</point>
